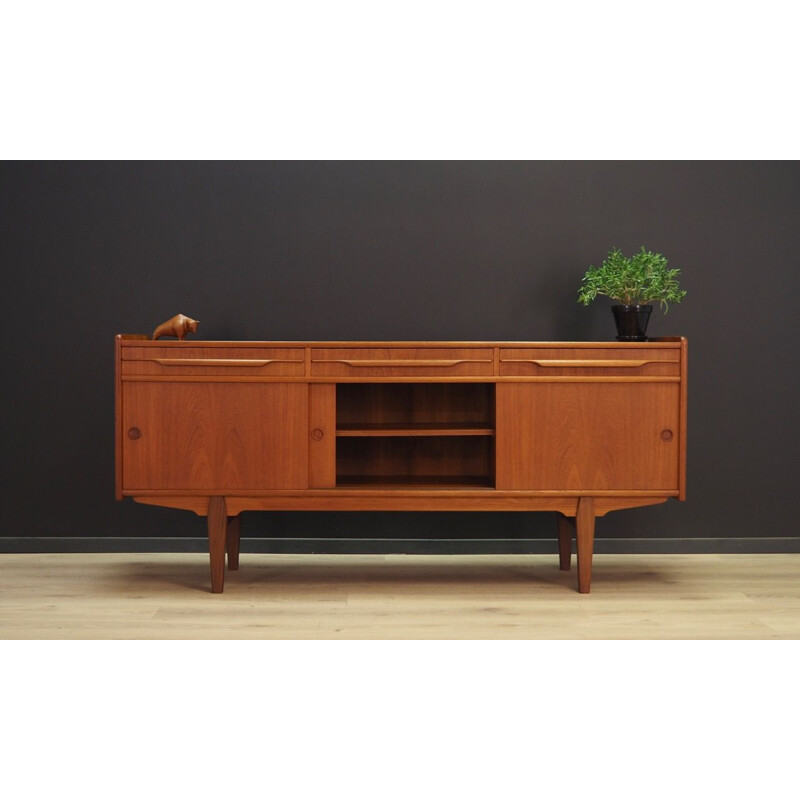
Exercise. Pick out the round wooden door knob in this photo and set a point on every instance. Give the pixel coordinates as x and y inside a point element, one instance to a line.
<point>666,435</point>
<point>134,433</point>
<point>317,434</point>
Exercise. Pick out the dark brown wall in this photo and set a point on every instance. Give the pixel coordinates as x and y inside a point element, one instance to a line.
<point>432,250</point>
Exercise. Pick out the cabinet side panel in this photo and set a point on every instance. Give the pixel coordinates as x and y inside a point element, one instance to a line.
<point>214,436</point>
<point>586,437</point>
<point>117,420</point>
<point>322,436</point>
<point>684,411</point>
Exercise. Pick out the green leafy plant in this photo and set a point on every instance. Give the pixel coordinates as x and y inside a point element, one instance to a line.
<point>636,280</point>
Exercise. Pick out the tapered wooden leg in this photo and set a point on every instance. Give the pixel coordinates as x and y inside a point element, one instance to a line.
<point>584,522</point>
<point>232,542</point>
<point>217,526</point>
<point>566,525</point>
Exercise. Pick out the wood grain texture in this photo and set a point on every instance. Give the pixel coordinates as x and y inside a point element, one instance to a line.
<point>576,428</point>
<point>402,498</point>
<point>604,363</point>
<point>663,342</point>
<point>225,377</point>
<point>197,503</point>
<point>182,352</point>
<point>459,460</point>
<point>179,326</point>
<point>413,429</point>
<point>587,437</point>
<point>646,498</point>
<point>683,416</point>
<point>233,362</point>
<point>568,360</point>
<point>208,368</point>
<point>222,362</point>
<point>212,437</point>
<point>164,596</point>
<point>401,362</point>
<point>566,529</point>
<point>117,418</point>
<point>584,526</point>
<point>322,435</point>
<point>441,404</point>
<point>217,530</point>
<point>416,363</point>
<point>232,538</point>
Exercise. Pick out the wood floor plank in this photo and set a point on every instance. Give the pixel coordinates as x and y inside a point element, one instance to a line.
<point>167,596</point>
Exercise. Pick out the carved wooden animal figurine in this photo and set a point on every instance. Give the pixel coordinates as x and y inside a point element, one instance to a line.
<point>178,326</point>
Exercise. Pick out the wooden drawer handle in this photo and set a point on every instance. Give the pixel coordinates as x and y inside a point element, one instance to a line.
<point>223,362</point>
<point>586,362</point>
<point>134,433</point>
<point>402,362</point>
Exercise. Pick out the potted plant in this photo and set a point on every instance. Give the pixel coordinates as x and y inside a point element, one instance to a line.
<point>635,282</point>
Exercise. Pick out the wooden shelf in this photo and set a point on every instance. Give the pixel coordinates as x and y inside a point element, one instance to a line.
<point>414,429</point>
<point>413,481</point>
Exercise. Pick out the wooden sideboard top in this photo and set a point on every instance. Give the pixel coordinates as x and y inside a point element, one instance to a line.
<point>142,340</point>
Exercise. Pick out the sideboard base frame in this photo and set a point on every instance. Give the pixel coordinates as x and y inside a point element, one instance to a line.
<point>576,518</point>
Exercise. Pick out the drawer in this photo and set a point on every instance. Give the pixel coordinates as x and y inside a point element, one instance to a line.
<point>199,361</point>
<point>401,362</point>
<point>587,362</point>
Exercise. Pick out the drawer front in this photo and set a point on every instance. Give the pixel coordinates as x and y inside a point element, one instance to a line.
<point>587,362</point>
<point>401,362</point>
<point>227,361</point>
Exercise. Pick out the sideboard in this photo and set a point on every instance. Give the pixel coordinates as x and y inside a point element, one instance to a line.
<point>577,428</point>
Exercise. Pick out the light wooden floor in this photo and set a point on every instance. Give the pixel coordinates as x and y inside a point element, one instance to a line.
<point>167,596</point>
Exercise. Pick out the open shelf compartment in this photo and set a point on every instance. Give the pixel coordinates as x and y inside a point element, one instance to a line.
<point>408,435</point>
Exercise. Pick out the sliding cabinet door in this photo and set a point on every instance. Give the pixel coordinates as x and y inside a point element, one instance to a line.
<point>214,437</point>
<point>588,436</point>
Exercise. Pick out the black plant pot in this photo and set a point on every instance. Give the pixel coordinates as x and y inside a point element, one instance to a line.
<point>631,322</point>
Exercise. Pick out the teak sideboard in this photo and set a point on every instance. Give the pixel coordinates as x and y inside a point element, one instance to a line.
<point>578,428</point>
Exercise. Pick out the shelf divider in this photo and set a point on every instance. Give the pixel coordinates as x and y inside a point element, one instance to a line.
<point>414,429</point>
<point>414,481</point>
